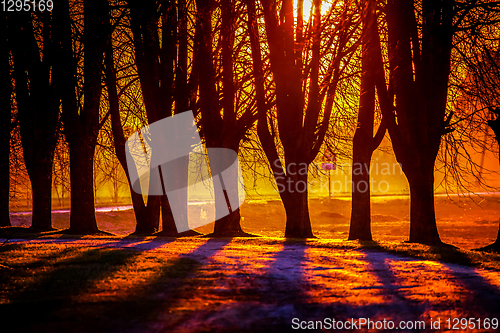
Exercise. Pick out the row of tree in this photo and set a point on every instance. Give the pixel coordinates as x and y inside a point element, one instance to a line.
<point>279,65</point>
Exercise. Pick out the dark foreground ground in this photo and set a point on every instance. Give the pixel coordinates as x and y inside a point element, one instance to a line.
<point>59,283</point>
<point>240,285</point>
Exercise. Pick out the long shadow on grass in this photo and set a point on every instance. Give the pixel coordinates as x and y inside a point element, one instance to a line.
<point>52,293</point>
<point>149,307</point>
<point>407,309</point>
<point>484,298</point>
<point>281,296</point>
<point>267,303</point>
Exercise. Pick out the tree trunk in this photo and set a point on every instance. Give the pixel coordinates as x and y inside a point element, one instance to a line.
<point>420,62</point>
<point>41,185</point>
<point>360,226</point>
<point>147,217</point>
<point>229,225</point>
<point>363,142</point>
<point>301,120</point>
<point>81,123</point>
<point>175,174</point>
<point>295,200</point>
<point>5,115</point>
<point>38,111</point>
<point>82,218</point>
<point>151,223</point>
<point>423,227</point>
<point>497,241</point>
<point>155,65</point>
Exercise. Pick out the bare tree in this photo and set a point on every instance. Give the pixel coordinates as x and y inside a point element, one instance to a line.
<point>38,106</point>
<point>160,68</point>
<point>305,62</point>
<point>419,58</point>
<point>363,142</point>
<point>5,120</point>
<point>81,122</point>
<point>226,114</point>
<point>476,109</point>
<point>424,45</point>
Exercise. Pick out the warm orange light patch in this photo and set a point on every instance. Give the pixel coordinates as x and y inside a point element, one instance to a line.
<point>143,268</point>
<point>228,276</point>
<point>491,277</point>
<point>432,283</point>
<point>342,276</point>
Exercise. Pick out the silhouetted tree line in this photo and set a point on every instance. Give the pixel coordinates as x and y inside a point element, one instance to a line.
<point>238,65</point>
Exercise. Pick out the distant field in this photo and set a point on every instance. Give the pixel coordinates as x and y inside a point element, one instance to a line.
<point>467,223</point>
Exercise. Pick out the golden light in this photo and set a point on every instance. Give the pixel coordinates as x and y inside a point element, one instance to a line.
<point>308,8</point>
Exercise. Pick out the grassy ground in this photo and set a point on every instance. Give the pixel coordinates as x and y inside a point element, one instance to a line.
<point>59,282</point>
<point>199,284</point>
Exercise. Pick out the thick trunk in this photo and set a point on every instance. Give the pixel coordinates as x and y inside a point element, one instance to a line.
<point>360,227</point>
<point>38,112</point>
<point>497,241</point>
<point>495,246</point>
<point>423,228</point>
<point>5,94</point>
<point>420,62</point>
<point>39,138</point>
<point>363,141</point>
<point>495,126</point>
<point>147,217</point>
<point>41,184</point>
<point>149,222</point>
<point>167,219</point>
<point>82,219</point>
<point>177,176</point>
<point>81,124</point>
<point>229,225</point>
<point>137,202</point>
<point>295,200</point>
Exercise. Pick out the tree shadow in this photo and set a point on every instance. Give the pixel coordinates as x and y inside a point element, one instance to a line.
<point>484,298</point>
<point>153,302</point>
<point>132,312</point>
<point>288,265</point>
<point>394,292</point>
<point>42,302</point>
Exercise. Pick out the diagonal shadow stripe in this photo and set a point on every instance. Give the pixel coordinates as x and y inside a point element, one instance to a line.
<point>407,309</point>
<point>147,306</point>
<point>53,292</point>
<point>483,299</point>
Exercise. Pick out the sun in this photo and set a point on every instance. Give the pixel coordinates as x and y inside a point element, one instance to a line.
<point>308,6</point>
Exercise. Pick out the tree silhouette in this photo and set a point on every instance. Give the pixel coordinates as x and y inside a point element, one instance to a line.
<point>162,70</point>
<point>223,124</point>
<point>38,104</point>
<point>5,119</point>
<point>495,126</point>
<point>81,122</point>
<point>420,66</point>
<point>363,142</point>
<point>302,110</point>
